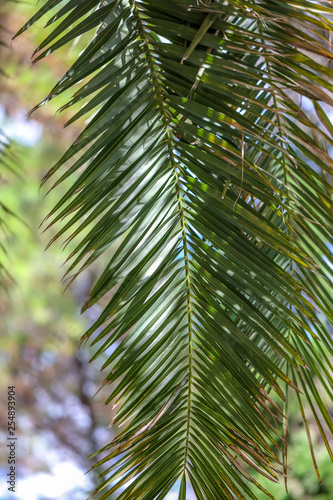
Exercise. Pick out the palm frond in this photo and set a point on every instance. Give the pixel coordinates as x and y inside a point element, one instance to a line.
<point>211,185</point>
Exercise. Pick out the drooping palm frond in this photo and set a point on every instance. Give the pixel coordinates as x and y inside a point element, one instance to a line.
<point>202,172</point>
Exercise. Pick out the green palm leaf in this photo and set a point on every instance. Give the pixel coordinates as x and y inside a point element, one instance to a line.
<point>211,186</point>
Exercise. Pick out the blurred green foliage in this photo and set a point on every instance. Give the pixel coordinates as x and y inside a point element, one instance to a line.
<point>302,482</point>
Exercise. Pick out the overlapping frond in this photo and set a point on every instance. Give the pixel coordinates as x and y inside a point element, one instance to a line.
<point>211,185</point>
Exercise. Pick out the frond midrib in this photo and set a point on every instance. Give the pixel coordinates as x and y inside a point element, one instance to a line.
<point>166,120</point>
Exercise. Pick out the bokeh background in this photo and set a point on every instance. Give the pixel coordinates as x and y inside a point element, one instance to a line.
<point>60,421</point>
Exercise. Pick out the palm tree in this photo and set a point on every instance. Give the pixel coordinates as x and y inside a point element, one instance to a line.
<point>209,183</point>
